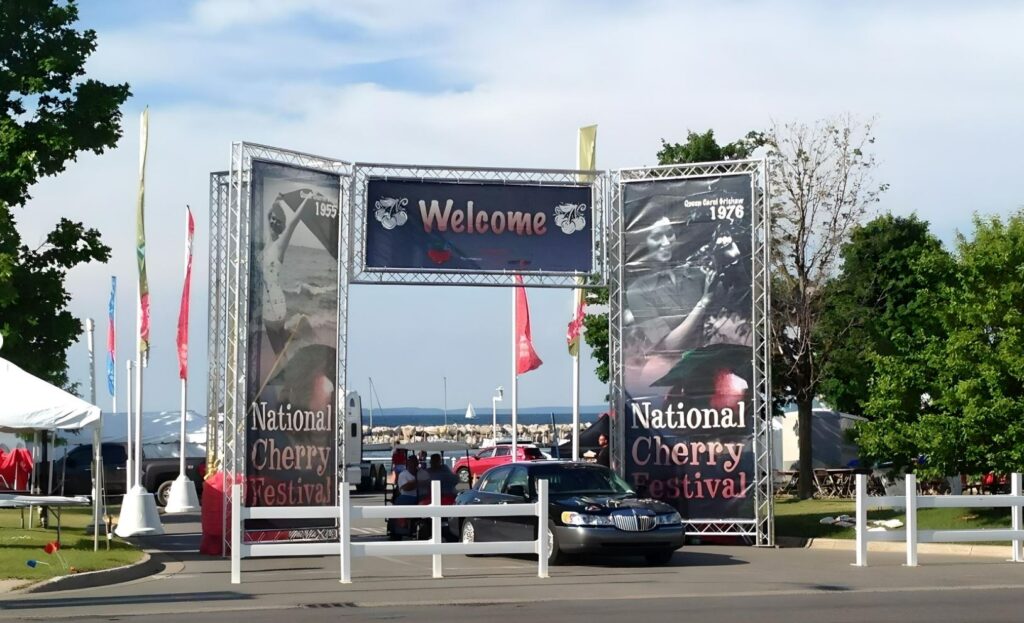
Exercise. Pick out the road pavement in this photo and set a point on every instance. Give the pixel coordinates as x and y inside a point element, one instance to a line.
<point>723,582</point>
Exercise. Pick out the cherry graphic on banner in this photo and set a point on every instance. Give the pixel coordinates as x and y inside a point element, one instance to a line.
<point>439,253</point>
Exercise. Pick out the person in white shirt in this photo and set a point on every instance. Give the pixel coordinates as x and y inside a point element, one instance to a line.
<point>408,482</point>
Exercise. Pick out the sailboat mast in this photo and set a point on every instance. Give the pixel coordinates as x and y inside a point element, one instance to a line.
<point>371,403</point>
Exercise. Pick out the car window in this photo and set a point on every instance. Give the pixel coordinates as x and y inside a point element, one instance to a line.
<point>519,476</point>
<point>503,451</point>
<point>582,479</point>
<point>485,454</point>
<point>532,453</point>
<point>114,454</point>
<point>493,480</point>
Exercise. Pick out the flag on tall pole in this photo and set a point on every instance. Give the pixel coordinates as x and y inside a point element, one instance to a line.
<point>526,357</point>
<point>190,227</point>
<point>112,338</point>
<point>586,160</point>
<point>140,242</point>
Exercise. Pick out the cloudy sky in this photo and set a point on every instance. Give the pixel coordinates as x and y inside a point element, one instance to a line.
<point>508,84</point>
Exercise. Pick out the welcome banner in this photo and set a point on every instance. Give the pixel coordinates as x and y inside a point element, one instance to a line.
<point>447,226</point>
<point>687,342</point>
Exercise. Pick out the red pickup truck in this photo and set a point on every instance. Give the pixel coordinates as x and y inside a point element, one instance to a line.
<point>468,468</point>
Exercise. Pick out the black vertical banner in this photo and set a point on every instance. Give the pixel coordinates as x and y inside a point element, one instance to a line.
<point>688,344</point>
<point>290,425</point>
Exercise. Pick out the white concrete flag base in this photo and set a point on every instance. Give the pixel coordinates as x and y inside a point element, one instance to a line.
<point>182,497</point>
<point>139,516</point>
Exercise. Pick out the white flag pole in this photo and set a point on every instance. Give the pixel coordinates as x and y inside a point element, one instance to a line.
<point>576,385</point>
<point>182,497</point>
<point>129,476</point>
<point>515,374</point>
<point>97,461</point>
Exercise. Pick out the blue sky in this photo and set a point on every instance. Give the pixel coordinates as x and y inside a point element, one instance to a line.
<point>507,84</point>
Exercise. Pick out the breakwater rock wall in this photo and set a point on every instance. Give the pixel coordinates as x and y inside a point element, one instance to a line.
<point>472,434</point>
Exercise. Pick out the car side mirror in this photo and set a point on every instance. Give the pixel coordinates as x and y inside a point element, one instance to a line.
<point>518,491</point>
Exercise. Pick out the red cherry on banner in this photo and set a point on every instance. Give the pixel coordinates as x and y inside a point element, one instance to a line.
<point>439,256</point>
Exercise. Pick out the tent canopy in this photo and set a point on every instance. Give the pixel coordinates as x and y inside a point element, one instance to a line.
<point>30,403</point>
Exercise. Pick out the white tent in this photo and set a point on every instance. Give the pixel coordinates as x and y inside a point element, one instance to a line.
<point>829,430</point>
<point>31,404</point>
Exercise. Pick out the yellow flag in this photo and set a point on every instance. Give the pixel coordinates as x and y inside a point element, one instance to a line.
<point>586,156</point>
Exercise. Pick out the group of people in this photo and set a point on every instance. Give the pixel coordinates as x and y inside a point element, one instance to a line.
<point>414,476</point>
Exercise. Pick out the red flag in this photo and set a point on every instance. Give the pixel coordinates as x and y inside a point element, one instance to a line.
<point>572,335</point>
<point>183,312</point>
<point>526,357</point>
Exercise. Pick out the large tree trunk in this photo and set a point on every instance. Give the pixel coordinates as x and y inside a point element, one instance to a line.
<point>806,481</point>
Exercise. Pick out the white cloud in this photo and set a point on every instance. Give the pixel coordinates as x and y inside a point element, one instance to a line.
<point>942,81</point>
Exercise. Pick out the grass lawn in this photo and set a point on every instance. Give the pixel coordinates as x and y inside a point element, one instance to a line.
<point>802,518</point>
<point>17,546</point>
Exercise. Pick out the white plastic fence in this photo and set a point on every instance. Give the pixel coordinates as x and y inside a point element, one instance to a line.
<point>911,502</point>
<point>345,513</point>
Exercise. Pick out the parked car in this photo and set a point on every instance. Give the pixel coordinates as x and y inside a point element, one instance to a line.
<point>591,510</point>
<point>474,465</point>
<point>75,469</point>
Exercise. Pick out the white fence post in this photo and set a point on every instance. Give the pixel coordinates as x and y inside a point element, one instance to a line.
<point>345,532</point>
<point>1017,512</point>
<point>911,485</point>
<point>236,533</point>
<point>542,528</point>
<point>435,526</point>
<point>862,520</point>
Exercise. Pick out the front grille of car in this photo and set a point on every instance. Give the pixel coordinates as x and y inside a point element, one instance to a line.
<point>631,521</point>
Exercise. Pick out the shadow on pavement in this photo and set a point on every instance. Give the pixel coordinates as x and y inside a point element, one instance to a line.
<point>120,600</point>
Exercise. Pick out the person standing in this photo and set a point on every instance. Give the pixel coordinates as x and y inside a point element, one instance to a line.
<point>603,457</point>
<point>408,484</point>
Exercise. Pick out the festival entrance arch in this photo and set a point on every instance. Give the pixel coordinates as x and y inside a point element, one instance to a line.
<point>275,355</point>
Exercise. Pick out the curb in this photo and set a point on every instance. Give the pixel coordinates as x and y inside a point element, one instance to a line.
<point>956,549</point>
<point>91,579</point>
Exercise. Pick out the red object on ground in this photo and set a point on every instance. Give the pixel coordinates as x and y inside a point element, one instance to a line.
<point>51,547</point>
<point>212,516</point>
<point>16,468</point>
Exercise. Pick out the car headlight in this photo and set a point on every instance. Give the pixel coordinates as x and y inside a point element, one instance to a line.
<point>584,519</point>
<point>669,519</point>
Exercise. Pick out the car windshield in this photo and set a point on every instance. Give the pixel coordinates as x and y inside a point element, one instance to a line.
<point>580,479</point>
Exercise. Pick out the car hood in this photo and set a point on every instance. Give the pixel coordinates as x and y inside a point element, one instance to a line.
<point>602,503</point>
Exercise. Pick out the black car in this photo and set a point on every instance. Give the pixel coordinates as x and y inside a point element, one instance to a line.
<point>591,510</point>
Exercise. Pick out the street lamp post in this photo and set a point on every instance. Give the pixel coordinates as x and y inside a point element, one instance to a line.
<point>494,414</point>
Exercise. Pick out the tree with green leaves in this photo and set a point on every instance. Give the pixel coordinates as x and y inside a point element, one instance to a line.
<point>49,113</point>
<point>697,148</point>
<point>970,418</point>
<point>821,184</point>
<point>884,303</point>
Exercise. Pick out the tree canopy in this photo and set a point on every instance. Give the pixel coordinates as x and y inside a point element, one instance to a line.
<point>821,186</point>
<point>49,113</point>
<point>970,416</point>
<point>883,303</point>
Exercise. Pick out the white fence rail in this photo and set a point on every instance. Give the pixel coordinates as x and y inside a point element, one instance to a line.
<point>912,502</point>
<point>345,513</point>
